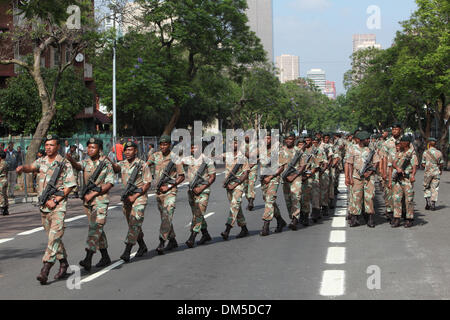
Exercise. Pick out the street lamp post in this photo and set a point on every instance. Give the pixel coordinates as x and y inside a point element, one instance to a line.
<point>114,77</point>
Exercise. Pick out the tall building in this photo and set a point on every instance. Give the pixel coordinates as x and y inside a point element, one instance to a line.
<point>364,41</point>
<point>260,16</point>
<point>330,89</point>
<point>289,67</point>
<point>318,76</point>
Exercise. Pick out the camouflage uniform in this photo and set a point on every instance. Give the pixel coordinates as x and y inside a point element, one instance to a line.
<point>348,153</point>
<point>325,177</point>
<point>134,213</point>
<point>199,203</point>
<point>293,190</point>
<point>3,184</point>
<point>432,159</point>
<point>249,183</point>
<point>76,158</point>
<point>235,195</point>
<point>363,189</point>
<point>388,151</point>
<point>404,187</point>
<point>53,220</point>
<point>307,183</point>
<point>270,190</point>
<point>97,209</point>
<point>166,202</point>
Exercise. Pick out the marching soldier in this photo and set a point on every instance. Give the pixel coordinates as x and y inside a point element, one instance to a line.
<point>269,188</point>
<point>236,172</point>
<point>433,163</point>
<point>76,157</point>
<point>325,177</point>
<point>403,163</point>
<point>3,183</point>
<point>134,201</point>
<point>362,165</point>
<point>168,176</point>
<point>353,140</point>
<point>98,178</point>
<point>315,184</point>
<point>198,195</point>
<point>389,150</point>
<point>307,180</point>
<point>249,184</point>
<point>292,185</point>
<point>52,169</point>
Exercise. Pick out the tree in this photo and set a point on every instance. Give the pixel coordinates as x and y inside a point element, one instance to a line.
<point>21,93</point>
<point>42,24</point>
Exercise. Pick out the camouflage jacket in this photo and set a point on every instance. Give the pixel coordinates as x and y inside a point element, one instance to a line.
<point>144,176</point>
<point>65,180</point>
<point>357,158</point>
<point>106,176</point>
<point>192,166</point>
<point>158,162</point>
<point>400,156</point>
<point>3,172</point>
<point>432,159</point>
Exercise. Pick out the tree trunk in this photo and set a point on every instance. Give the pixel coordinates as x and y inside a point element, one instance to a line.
<point>39,134</point>
<point>173,121</point>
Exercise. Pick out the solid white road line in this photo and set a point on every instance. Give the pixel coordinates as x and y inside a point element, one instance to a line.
<point>333,283</point>
<point>336,255</point>
<point>25,233</point>
<point>76,218</point>
<point>6,240</point>
<point>206,216</point>
<point>337,236</point>
<point>105,270</point>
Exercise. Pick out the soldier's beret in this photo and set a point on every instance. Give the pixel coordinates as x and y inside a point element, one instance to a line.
<point>327,134</point>
<point>165,139</point>
<point>96,141</point>
<point>432,139</point>
<point>2,154</point>
<point>73,146</point>
<point>363,135</point>
<point>131,144</point>
<point>300,140</point>
<point>406,138</point>
<point>315,139</point>
<point>51,137</point>
<point>397,125</point>
<point>291,134</point>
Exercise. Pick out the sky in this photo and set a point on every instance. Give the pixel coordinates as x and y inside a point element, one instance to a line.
<point>320,31</point>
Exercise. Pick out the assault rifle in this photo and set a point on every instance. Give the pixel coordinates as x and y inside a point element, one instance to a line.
<point>166,178</point>
<point>131,187</point>
<point>198,180</point>
<point>90,185</point>
<point>232,176</point>
<point>367,164</point>
<point>291,166</point>
<point>396,176</point>
<point>50,188</point>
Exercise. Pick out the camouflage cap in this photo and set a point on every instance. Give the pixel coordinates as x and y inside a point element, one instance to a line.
<point>50,137</point>
<point>165,139</point>
<point>96,141</point>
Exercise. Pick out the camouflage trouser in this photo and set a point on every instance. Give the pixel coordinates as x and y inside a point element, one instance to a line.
<point>293,197</point>
<point>249,183</point>
<point>97,218</point>
<point>198,206</point>
<point>388,196</point>
<point>135,218</point>
<point>53,223</point>
<point>269,192</point>
<point>332,183</point>
<point>235,214</point>
<point>403,188</point>
<point>431,186</point>
<point>166,207</point>
<point>349,198</point>
<point>307,186</point>
<point>3,194</point>
<point>363,193</point>
<point>324,188</point>
<point>315,191</point>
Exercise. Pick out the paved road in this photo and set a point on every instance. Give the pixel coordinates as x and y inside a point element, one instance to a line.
<point>324,261</point>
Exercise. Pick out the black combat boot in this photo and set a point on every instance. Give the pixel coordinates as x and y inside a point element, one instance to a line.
<point>433,205</point>
<point>63,266</point>
<point>142,247</point>
<point>325,211</point>
<point>265,230</point>
<point>331,204</point>
<point>205,237</point>
<point>293,224</point>
<point>172,244</point>
<point>250,204</point>
<point>87,262</point>
<point>105,260</point>
<point>5,211</point>
<point>370,222</point>
<point>190,242</point>
<point>126,254</point>
<point>354,221</point>
<point>408,223</point>
<point>43,276</point>
<point>428,205</point>
<point>305,219</point>
<point>243,233</point>
<point>315,214</point>
<point>395,223</point>
<point>226,233</point>
<point>160,248</point>
<point>280,224</point>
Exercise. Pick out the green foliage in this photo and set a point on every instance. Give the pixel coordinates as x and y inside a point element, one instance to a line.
<point>21,93</point>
